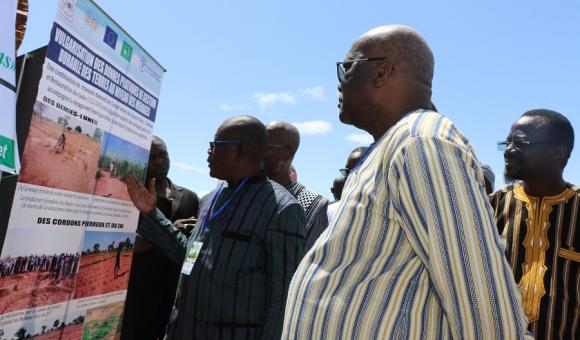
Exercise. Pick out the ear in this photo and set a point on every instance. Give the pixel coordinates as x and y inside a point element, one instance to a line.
<point>241,151</point>
<point>559,153</point>
<point>289,153</point>
<point>384,73</point>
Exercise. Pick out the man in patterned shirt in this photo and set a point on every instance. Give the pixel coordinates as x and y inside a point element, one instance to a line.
<point>413,252</point>
<point>283,142</point>
<point>539,216</point>
<point>241,255</point>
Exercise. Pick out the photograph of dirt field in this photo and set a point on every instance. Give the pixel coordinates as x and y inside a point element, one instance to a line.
<point>34,289</point>
<point>104,322</point>
<point>40,270</point>
<point>60,152</point>
<point>58,329</point>
<point>105,263</point>
<point>68,332</point>
<point>45,329</point>
<point>111,186</point>
<point>117,159</point>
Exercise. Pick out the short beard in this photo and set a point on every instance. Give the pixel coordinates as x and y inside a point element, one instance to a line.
<point>510,178</point>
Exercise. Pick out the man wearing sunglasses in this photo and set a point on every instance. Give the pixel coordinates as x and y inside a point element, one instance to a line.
<point>249,238</point>
<point>413,252</point>
<point>351,162</point>
<point>283,142</point>
<point>539,216</point>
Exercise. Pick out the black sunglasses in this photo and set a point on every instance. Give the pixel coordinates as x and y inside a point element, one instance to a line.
<point>218,142</point>
<point>519,144</point>
<point>345,172</point>
<point>341,70</point>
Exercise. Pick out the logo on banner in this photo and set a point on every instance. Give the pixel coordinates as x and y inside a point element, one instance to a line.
<point>67,7</point>
<point>110,37</point>
<point>7,152</point>
<point>91,21</point>
<point>144,67</point>
<point>126,51</point>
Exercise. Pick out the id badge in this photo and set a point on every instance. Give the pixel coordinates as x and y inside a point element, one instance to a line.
<point>191,257</point>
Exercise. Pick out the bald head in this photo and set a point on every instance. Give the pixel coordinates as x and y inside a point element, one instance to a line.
<point>355,156</point>
<point>404,47</point>
<point>389,75</point>
<point>158,142</point>
<point>284,133</point>
<point>337,187</point>
<point>249,131</point>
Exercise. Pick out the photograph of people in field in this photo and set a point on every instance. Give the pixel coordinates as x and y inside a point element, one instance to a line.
<point>38,267</point>
<point>105,263</point>
<point>61,151</point>
<point>117,159</point>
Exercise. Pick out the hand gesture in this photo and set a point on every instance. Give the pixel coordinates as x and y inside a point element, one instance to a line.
<point>144,199</point>
<point>185,225</point>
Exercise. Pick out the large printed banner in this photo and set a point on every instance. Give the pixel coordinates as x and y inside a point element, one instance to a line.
<point>65,262</point>
<point>9,161</point>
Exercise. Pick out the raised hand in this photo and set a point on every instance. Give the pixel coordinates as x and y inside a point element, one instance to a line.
<point>185,225</point>
<point>143,199</point>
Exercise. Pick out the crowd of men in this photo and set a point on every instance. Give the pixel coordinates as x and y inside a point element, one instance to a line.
<point>59,266</point>
<point>412,246</point>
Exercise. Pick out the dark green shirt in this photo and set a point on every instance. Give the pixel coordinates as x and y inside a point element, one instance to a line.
<point>238,286</point>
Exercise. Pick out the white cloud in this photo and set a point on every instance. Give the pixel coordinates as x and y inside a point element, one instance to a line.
<point>313,127</point>
<point>316,92</point>
<point>267,99</point>
<point>187,167</point>
<point>234,107</point>
<point>360,138</point>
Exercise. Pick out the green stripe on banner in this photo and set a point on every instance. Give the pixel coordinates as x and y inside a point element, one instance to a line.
<point>7,152</point>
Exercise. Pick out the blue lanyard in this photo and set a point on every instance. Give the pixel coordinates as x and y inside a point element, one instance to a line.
<point>209,216</point>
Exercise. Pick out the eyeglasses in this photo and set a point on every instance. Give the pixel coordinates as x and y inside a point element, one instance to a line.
<point>218,142</point>
<point>276,146</point>
<point>345,172</point>
<point>519,144</point>
<point>341,70</point>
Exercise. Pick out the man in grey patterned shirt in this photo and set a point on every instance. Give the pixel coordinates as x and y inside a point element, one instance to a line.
<point>283,142</point>
<point>239,260</point>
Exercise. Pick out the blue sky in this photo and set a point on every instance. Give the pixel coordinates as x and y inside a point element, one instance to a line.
<point>276,60</point>
<point>46,241</point>
<point>105,238</point>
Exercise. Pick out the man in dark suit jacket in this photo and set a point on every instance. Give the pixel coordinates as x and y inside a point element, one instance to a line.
<point>154,277</point>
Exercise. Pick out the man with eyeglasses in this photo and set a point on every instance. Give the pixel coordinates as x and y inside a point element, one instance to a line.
<point>240,257</point>
<point>353,159</point>
<point>539,216</point>
<point>351,162</point>
<point>413,252</point>
<point>283,142</point>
